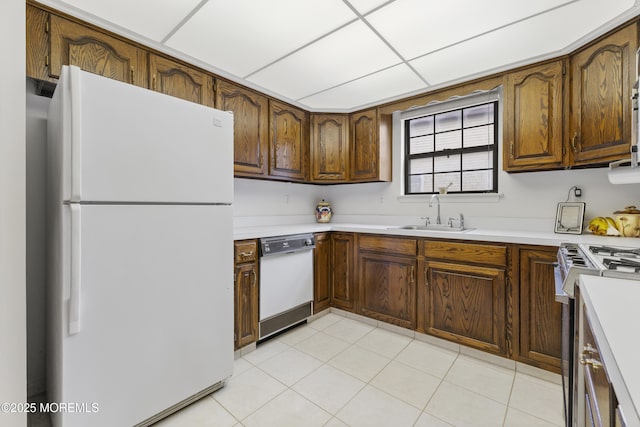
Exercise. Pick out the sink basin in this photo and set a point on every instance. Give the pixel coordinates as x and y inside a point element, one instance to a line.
<point>432,227</point>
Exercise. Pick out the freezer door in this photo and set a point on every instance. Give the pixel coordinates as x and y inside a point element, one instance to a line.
<point>123,143</point>
<point>154,321</point>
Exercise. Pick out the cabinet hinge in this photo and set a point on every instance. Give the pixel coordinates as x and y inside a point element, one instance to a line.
<point>564,70</point>
<point>46,60</point>
<point>46,27</point>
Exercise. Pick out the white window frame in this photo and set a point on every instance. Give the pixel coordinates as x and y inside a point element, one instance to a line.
<point>434,107</point>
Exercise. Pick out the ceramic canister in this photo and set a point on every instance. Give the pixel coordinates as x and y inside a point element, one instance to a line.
<point>628,221</point>
<point>323,212</point>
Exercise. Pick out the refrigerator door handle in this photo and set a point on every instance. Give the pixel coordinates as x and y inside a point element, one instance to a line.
<point>74,291</point>
<point>76,133</point>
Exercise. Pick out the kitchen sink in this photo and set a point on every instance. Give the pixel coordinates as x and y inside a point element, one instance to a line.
<point>433,227</point>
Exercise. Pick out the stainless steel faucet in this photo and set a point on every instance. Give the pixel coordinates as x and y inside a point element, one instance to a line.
<point>437,199</point>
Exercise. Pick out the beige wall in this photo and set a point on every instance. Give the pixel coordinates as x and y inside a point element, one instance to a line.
<point>12,210</point>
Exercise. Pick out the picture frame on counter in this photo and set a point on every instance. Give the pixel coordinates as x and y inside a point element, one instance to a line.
<point>570,217</point>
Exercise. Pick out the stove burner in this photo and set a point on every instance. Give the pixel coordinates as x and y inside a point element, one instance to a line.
<point>614,251</point>
<point>616,264</point>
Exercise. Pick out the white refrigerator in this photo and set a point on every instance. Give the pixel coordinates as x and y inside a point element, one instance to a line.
<point>140,252</point>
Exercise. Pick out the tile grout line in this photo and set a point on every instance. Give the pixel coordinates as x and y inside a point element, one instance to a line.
<point>357,343</point>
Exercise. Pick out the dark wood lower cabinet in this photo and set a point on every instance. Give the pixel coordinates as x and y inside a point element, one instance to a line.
<point>494,297</point>
<point>246,293</point>
<point>466,304</point>
<point>343,286</point>
<point>387,280</point>
<point>322,272</point>
<point>540,315</point>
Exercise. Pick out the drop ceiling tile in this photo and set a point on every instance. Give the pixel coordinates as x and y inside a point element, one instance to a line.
<point>389,83</point>
<point>416,27</point>
<point>242,36</point>
<point>153,19</point>
<point>365,6</point>
<point>352,52</point>
<point>517,44</point>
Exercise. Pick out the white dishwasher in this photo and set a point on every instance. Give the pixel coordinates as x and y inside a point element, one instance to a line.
<point>286,281</point>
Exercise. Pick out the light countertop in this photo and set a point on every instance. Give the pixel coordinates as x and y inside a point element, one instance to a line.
<point>612,306</point>
<point>479,234</point>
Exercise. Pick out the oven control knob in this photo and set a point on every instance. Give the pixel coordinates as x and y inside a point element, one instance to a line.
<point>308,242</point>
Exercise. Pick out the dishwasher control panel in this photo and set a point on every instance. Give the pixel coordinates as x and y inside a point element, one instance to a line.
<point>284,244</point>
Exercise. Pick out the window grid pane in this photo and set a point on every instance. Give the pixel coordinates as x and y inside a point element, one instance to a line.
<point>456,147</point>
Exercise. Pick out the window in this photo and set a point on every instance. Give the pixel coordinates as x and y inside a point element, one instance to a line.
<point>454,148</point>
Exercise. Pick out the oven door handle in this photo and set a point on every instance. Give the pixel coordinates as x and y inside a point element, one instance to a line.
<point>561,295</point>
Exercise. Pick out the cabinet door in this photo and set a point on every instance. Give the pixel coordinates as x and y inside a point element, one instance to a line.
<point>322,272</point>
<point>342,275</point>
<point>533,130</point>
<point>467,304</point>
<point>246,309</point>
<point>74,44</point>
<point>172,78</point>
<point>540,315</point>
<point>602,76</point>
<point>288,142</point>
<point>37,22</point>
<point>329,147</point>
<point>364,146</point>
<point>388,288</point>
<point>250,127</point>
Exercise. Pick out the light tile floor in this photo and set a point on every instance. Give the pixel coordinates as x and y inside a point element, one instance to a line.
<point>339,371</point>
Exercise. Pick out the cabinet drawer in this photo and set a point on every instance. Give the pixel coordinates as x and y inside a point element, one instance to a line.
<point>468,252</point>
<point>389,245</point>
<point>245,251</point>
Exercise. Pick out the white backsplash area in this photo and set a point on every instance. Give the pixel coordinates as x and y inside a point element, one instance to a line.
<point>527,201</point>
<point>259,202</point>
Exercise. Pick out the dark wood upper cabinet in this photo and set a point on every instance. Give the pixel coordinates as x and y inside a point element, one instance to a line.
<point>37,43</point>
<point>250,128</point>
<point>370,146</point>
<point>288,142</point>
<point>602,77</point>
<point>533,118</point>
<point>573,111</point>
<point>172,78</point>
<point>540,314</point>
<point>96,52</point>
<point>329,147</point>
